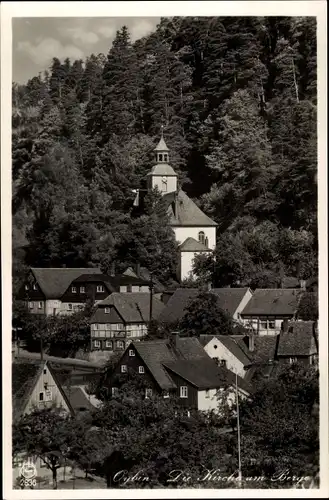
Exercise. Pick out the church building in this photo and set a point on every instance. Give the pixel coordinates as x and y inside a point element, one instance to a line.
<point>194,230</point>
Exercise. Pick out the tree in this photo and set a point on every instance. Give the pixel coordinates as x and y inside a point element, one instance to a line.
<point>308,307</point>
<point>44,433</point>
<point>203,316</point>
<point>281,426</point>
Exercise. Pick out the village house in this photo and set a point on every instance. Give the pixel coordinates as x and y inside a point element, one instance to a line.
<point>194,230</point>
<point>231,300</point>
<point>53,291</point>
<point>298,343</point>
<point>35,386</point>
<point>227,352</point>
<point>177,368</point>
<point>121,318</point>
<point>268,308</point>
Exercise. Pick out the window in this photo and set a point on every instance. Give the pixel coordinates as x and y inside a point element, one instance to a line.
<point>271,325</point>
<point>120,344</point>
<point>129,288</point>
<point>45,371</point>
<point>201,237</point>
<point>148,393</point>
<point>70,306</point>
<point>206,242</point>
<point>292,360</point>
<point>131,352</point>
<point>107,310</point>
<point>109,344</point>
<point>160,157</point>
<point>100,288</point>
<point>97,343</point>
<point>165,157</point>
<point>166,394</point>
<point>215,346</point>
<point>207,393</point>
<point>35,287</point>
<point>74,289</point>
<point>48,395</point>
<point>82,289</point>
<point>123,368</point>
<point>26,287</point>
<point>39,305</point>
<point>141,369</point>
<point>183,391</point>
<point>31,305</point>
<point>263,325</point>
<point>114,391</point>
<point>40,396</point>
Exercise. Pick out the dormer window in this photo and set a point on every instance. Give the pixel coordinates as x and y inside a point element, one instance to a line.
<point>201,237</point>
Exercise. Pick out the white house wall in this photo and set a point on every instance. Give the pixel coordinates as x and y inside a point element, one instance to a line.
<point>182,233</point>
<point>207,400</point>
<point>264,331</point>
<point>56,396</point>
<point>242,305</point>
<point>221,352</point>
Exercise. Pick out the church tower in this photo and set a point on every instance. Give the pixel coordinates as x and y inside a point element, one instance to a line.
<point>162,174</point>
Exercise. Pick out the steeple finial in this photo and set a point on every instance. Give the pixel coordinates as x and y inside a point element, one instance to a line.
<point>162,127</point>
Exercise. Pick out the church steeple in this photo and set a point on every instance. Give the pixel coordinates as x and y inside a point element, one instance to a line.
<point>162,150</point>
<point>162,175</point>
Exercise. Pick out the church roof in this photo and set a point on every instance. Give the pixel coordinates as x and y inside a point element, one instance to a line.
<point>192,245</point>
<point>162,169</point>
<point>188,213</point>
<point>162,146</point>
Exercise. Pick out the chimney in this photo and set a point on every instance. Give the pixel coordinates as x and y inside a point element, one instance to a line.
<point>138,269</point>
<point>284,326</point>
<point>302,284</point>
<point>251,344</point>
<point>173,339</point>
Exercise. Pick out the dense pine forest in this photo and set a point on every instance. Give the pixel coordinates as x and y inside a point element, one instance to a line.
<point>237,99</point>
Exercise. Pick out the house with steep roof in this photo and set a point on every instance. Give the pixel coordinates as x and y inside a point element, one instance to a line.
<point>35,386</point>
<point>231,300</point>
<point>268,308</point>
<point>43,289</point>
<point>298,343</point>
<point>121,318</point>
<point>177,368</point>
<point>227,352</point>
<point>194,230</point>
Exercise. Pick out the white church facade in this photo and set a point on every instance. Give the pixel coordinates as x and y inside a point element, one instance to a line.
<point>194,231</point>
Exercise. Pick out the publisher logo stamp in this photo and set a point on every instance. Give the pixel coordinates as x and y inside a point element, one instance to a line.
<point>28,472</point>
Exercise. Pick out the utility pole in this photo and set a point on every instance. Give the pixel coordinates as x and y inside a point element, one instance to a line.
<point>151,286</point>
<point>238,428</point>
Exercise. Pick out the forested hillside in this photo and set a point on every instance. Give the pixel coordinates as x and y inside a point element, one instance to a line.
<point>237,99</point>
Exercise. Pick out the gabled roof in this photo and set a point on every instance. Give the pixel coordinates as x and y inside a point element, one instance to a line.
<point>155,353</point>
<point>162,169</point>
<point>55,281</point>
<point>132,307</point>
<point>273,301</point>
<point>188,213</point>
<point>264,348</point>
<point>192,245</point>
<point>234,348</point>
<point>206,374</point>
<point>299,340</point>
<point>25,376</point>
<point>228,299</point>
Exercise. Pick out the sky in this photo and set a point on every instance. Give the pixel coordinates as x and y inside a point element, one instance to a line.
<point>37,40</point>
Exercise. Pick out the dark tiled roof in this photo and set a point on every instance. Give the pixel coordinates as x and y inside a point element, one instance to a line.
<point>205,374</point>
<point>55,281</point>
<point>155,353</point>
<point>132,307</point>
<point>272,301</point>
<point>192,245</point>
<point>78,399</point>
<point>228,299</point>
<point>188,213</point>
<point>264,348</point>
<point>298,340</point>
